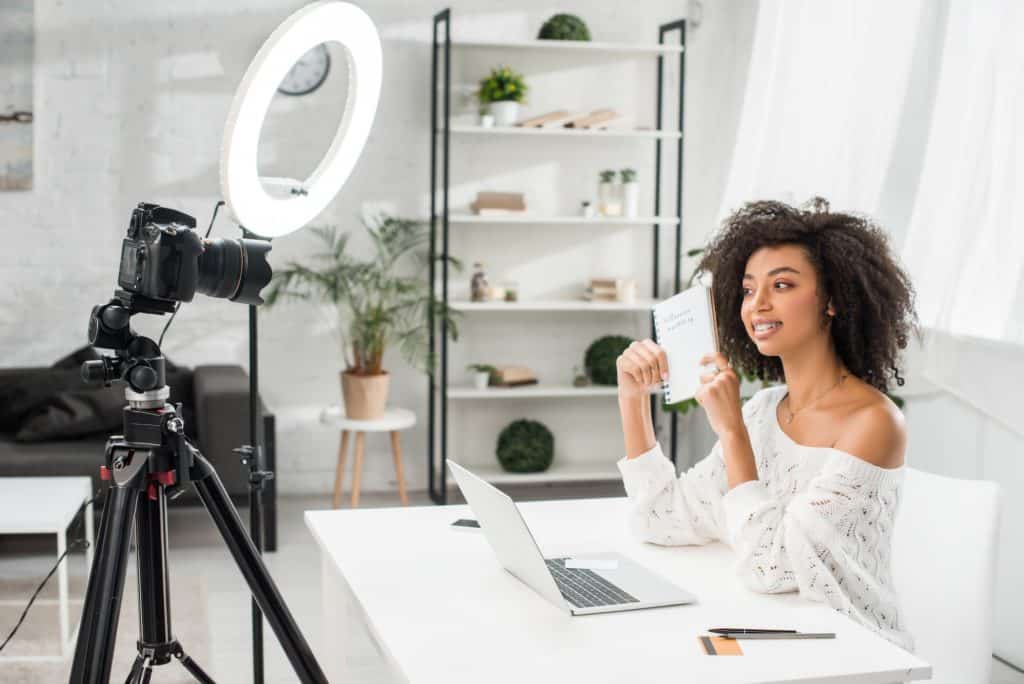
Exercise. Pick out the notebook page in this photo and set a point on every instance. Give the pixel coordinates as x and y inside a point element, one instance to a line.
<point>684,325</point>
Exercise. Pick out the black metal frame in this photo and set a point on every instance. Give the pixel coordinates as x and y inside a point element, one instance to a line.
<point>438,392</point>
<point>664,29</point>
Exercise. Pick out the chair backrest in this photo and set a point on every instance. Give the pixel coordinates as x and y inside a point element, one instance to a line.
<point>944,571</point>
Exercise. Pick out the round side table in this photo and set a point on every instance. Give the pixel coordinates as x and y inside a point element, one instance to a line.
<point>393,420</point>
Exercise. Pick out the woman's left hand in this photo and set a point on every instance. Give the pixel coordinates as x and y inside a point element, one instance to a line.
<point>719,394</point>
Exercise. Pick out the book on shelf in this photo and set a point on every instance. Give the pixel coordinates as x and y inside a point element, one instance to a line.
<point>685,327</point>
<point>539,121</point>
<point>514,376</point>
<point>563,121</point>
<point>598,116</point>
<point>500,212</point>
<point>498,203</point>
<point>610,290</point>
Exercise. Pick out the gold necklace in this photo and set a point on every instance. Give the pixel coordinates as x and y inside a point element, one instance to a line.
<point>792,414</point>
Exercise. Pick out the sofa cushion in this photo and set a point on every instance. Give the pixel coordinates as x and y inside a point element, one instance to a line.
<point>70,457</point>
<point>74,413</point>
<point>39,404</point>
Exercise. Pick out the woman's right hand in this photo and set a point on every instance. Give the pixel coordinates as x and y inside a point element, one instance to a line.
<point>642,365</point>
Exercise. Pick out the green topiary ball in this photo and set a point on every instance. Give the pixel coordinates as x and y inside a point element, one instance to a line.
<point>564,27</point>
<point>601,356</point>
<point>526,446</point>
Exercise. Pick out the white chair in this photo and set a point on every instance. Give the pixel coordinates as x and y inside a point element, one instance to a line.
<point>944,570</point>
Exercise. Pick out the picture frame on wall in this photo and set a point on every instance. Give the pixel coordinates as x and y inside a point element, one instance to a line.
<point>16,117</point>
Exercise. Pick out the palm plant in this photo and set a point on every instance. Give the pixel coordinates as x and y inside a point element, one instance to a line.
<point>375,305</point>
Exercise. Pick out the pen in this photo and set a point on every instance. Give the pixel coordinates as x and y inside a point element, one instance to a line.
<point>778,635</point>
<point>738,630</point>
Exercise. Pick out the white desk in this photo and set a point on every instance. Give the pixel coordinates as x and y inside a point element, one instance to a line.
<point>441,609</point>
<point>47,505</point>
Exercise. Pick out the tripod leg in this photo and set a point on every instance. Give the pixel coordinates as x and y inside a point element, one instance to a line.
<point>215,498</point>
<point>136,670</point>
<point>94,648</point>
<point>151,554</point>
<point>193,668</point>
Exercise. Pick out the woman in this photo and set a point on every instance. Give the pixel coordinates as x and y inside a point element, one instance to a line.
<point>804,480</point>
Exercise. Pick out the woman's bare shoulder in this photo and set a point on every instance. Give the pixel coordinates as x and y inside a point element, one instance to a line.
<point>874,428</point>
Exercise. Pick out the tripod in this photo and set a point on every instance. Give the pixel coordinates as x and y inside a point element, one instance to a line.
<point>152,461</point>
<point>141,466</point>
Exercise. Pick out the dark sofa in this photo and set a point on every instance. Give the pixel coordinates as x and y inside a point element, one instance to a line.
<point>215,406</point>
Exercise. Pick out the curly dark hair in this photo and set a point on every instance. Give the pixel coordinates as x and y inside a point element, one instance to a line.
<point>872,296</point>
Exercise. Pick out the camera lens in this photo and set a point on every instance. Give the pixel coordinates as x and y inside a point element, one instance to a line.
<point>234,269</point>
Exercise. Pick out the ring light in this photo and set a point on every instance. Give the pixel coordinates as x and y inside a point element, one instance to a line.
<point>272,207</point>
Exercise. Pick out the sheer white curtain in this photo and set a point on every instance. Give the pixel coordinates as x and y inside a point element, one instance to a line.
<point>827,112</point>
<point>965,244</point>
<point>825,90</point>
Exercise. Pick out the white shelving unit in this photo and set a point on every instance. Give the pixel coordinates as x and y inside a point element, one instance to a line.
<point>530,219</point>
<point>499,131</point>
<point>571,46</point>
<point>552,305</point>
<point>543,53</point>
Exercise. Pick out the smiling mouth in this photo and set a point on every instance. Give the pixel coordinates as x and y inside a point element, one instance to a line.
<point>762,331</point>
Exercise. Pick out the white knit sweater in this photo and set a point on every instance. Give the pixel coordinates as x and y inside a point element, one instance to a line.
<point>817,520</point>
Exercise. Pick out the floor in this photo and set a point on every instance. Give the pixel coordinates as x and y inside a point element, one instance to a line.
<point>195,547</point>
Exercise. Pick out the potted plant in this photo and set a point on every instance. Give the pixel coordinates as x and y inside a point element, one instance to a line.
<point>526,446</point>
<point>630,193</point>
<point>482,374</point>
<point>564,27</point>
<point>608,201</point>
<point>377,302</point>
<point>502,92</point>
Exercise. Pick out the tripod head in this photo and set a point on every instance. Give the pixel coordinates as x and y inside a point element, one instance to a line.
<point>151,424</point>
<point>137,360</point>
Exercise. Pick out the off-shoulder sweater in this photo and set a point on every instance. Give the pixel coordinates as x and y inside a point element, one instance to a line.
<point>817,520</point>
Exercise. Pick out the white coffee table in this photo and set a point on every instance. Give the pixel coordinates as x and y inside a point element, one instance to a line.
<point>47,505</point>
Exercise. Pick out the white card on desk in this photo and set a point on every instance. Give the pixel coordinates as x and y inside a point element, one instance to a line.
<point>685,327</point>
<point>592,563</point>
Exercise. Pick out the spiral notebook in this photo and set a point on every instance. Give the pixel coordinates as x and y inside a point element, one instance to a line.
<point>685,327</point>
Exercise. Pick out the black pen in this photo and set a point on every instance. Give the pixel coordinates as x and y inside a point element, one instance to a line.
<point>730,630</point>
<point>780,635</point>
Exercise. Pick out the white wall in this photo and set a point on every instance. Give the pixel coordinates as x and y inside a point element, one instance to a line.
<point>131,100</point>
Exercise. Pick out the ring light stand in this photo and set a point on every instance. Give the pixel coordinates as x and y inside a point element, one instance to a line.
<point>272,207</point>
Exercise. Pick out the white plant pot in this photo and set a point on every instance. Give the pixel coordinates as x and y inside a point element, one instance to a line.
<point>631,199</point>
<point>609,200</point>
<point>487,121</point>
<point>480,380</point>
<point>505,113</point>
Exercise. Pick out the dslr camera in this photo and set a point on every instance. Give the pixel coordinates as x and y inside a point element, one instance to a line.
<point>164,258</point>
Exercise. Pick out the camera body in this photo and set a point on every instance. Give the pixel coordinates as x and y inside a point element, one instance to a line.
<point>164,258</point>
<point>160,255</point>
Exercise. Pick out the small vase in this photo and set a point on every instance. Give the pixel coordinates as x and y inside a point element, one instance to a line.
<point>481,379</point>
<point>609,202</point>
<point>366,396</point>
<point>487,121</point>
<point>631,199</point>
<point>505,113</point>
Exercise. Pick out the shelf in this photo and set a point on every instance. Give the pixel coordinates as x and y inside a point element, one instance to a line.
<point>583,47</point>
<point>532,219</point>
<point>531,392</point>
<point>553,305</point>
<point>558,472</point>
<point>535,392</point>
<point>465,129</point>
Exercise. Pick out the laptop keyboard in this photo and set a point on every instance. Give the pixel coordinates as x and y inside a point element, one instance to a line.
<point>585,588</point>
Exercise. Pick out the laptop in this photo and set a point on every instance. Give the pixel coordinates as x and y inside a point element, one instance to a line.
<point>612,583</point>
